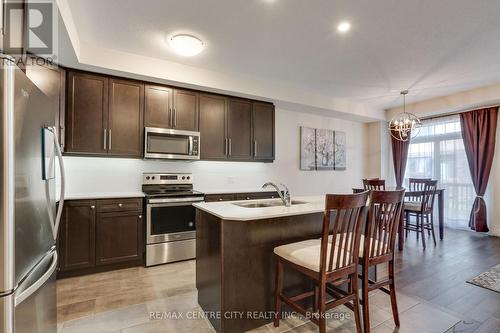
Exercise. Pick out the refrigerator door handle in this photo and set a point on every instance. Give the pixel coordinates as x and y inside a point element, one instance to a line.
<point>55,228</point>
<point>41,281</point>
<point>54,222</point>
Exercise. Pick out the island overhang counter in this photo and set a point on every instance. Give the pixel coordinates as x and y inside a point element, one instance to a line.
<point>235,265</point>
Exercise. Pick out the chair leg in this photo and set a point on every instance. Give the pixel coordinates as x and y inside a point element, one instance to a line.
<point>406,223</point>
<point>322,307</point>
<point>422,230</point>
<point>417,223</point>
<point>366,301</point>
<point>427,223</point>
<point>392,288</point>
<point>357,319</point>
<point>432,230</point>
<point>316,298</point>
<point>277,292</point>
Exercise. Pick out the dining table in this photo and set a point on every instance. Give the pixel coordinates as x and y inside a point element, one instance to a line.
<point>415,194</point>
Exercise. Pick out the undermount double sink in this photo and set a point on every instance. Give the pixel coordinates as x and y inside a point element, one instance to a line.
<point>267,203</point>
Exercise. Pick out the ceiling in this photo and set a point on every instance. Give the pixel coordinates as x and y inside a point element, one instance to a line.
<point>431,47</point>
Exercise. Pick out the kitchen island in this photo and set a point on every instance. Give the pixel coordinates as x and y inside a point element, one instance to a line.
<point>235,265</point>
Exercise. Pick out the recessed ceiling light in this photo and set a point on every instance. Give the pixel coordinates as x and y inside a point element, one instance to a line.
<point>186,45</point>
<point>344,27</point>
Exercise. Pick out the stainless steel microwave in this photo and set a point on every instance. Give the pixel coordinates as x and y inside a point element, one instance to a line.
<point>161,143</point>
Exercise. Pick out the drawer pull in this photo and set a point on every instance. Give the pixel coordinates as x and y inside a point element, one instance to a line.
<point>248,198</point>
<point>140,217</point>
<point>220,199</point>
<point>92,207</point>
<point>120,205</point>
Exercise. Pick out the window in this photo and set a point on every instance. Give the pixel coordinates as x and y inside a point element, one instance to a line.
<point>438,152</point>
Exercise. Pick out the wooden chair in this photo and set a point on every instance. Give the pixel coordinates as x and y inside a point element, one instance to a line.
<point>374,184</point>
<point>325,263</point>
<point>378,245</point>
<point>423,210</point>
<point>416,185</point>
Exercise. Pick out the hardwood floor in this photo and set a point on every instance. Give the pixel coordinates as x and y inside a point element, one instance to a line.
<point>433,295</point>
<point>438,275</point>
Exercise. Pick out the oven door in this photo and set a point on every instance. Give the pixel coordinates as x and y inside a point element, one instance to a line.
<point>170,221</point>
<point>171,144</point>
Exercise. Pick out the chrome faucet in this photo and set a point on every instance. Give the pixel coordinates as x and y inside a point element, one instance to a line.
<point>286,197</point>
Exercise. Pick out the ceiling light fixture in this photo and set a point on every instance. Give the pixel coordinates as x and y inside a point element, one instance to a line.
<point>344,27</point>
<point>186,45</point>
<point>404,125</point>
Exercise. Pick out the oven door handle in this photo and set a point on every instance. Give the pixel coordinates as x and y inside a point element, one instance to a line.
<point>174,200</point>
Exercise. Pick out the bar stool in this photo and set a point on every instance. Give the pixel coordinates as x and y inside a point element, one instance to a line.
<point>377,247</point>
<point>325,263</point>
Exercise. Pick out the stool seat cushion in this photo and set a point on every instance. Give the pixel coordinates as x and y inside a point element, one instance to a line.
<point>306,253</point>
<point>413,206</point>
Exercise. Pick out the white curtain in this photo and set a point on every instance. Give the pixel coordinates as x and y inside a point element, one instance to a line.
<point>437,152</point>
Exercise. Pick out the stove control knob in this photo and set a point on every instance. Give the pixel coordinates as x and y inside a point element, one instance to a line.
<point>153,177</point>
<point>147,177</point>
<point>183,177</point>
<point>188,178</point>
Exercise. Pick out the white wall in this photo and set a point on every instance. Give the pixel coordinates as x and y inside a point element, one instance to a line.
<point>86,175</point>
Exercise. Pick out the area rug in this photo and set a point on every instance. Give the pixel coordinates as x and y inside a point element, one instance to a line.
<point>489,279</point>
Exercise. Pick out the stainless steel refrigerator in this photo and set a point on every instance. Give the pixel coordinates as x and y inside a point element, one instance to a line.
<point>29,217</point>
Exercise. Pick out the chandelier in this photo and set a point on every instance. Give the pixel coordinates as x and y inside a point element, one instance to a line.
<point>404,125</point>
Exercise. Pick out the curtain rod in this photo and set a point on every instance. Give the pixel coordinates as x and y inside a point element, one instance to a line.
<point>449,114</point>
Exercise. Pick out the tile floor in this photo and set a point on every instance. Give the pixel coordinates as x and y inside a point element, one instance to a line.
<point>124,301</point>
<point>432,295</point>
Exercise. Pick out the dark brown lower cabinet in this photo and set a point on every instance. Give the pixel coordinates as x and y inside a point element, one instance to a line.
<point>118,237</point>
<point>100,235</point>
<point>76,243</point>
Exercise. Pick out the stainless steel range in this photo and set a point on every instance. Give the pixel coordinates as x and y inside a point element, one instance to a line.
<point>170,217</point>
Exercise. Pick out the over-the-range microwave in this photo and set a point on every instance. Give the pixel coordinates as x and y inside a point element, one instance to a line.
<point>161,143</point>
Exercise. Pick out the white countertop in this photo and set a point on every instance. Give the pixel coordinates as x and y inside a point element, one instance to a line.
<point>239,190</point>
<point>102,195</point>
<point>227,210</point>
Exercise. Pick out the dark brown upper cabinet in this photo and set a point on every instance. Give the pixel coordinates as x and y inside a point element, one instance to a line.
<point>213,141</point>
<point>158,106</point>
<point>126,105</point>
<point>263,131</point>
<point>104,115</point>
<point>171,108</point>
<point>87,113</point>
<point>239,129</point>
<point>51,80</point>
<point>185,110</point>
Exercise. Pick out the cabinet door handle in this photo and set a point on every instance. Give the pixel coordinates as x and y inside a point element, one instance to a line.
<point>92,207</point>
<point>255,148</point>
<point>105,138</point>
<point>110,139</point>
<point>230,147</point>
<point>225,146</point>
<point>174,117</point>
<point>170,117</point>
<point>140,217</point>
